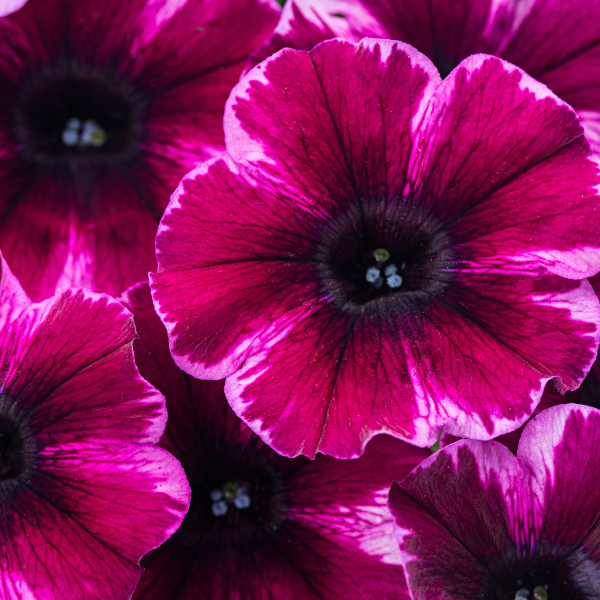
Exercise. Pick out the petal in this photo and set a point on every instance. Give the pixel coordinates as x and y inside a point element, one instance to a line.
<point>182,40</point>
<point>68,365</point>
<point>454,514</point>
<point>533,47</point>
<point>13,300</point>
<point>542,222</point>
<point>495,123</point>
<point>238,255</point>
<point>559,448</point>
<point>347,113</point>
<point>327,382</point>
<point>80,526</point>
<point>305,23</point>
<point>10,6</point>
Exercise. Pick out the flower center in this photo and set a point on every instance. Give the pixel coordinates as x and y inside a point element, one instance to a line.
<point>237,495</point>
<point>557,574</point>
<point>68,113</point>
<point>17,447</point>
<point>232,494</point>
<point>383,253</point>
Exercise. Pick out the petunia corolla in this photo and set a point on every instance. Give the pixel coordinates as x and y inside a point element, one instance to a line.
<point>556,41</point>
<point>84,493</point>
<point>476,522</point>
<point>384,252</point>
<point>104,106</point>
<point>261,525</point>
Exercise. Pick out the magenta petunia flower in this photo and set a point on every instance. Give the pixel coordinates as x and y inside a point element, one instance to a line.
<point>389,253</point>
<point>84,493</point>
<point>474,521</point>
<point>261,525</point>
<point>555,41</point>
<point>104,107</point>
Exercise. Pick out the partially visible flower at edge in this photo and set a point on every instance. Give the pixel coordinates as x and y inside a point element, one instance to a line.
<point>261,525</point>
<point>103,108</point>
<point>555,41</point>
<point>474,521</point>
<point>84,492</point>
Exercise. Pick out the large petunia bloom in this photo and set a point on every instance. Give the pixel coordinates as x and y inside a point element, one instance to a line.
<point>476,522</point>
<point>104,106</point>
<point>384,251</point>
<point>84,493</point>
<point>555,41</point>
<point>260,525</point>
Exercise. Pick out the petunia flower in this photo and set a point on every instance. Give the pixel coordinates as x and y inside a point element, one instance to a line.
<point>384,252</point>
<point>84,493</point>
<point>261,525</point>
<point>555,41</point>
<point>476,522</point>
<point>104,106</point>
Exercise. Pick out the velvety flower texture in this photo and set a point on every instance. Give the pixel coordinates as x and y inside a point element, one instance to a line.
<point>555,41</point>
<point>386,252</point>
<point>84,493</point>
<point>104,106</point>
<point>262,526</point>
<point>476,522</point>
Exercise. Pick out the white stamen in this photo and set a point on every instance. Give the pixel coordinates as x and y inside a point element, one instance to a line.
<point>219,508</point>
<point>242,501</point>
<point>390,270</point>
<point>216,495</point>
<point>373,274</point>
<point>70,137</point>
<point>92,135</point>
<point>394,281</point>
<point>522,594</point>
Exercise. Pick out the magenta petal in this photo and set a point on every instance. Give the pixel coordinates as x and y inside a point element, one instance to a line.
<point>13,300</point>
<point>551,446</point>
<point>389,83</point>
<point>10,6</point>
<point>453,516</point>
<point>102,508</point>
<point>88,386</point>
<point>227,272</point>
<point>465,166</point>
<point>304,24</point>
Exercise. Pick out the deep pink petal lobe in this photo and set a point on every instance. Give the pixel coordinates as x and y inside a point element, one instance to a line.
<point>69,363</point>
<point>304,99</point>
<point>515,225</point>
<point>334,394</point>
<point>451,511</point>
<point>553,446</point>
<point>13,300</point>
<point>134,497</point>
<point>228,266</point>
<point>523,123</point>
<point>304,24</point>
